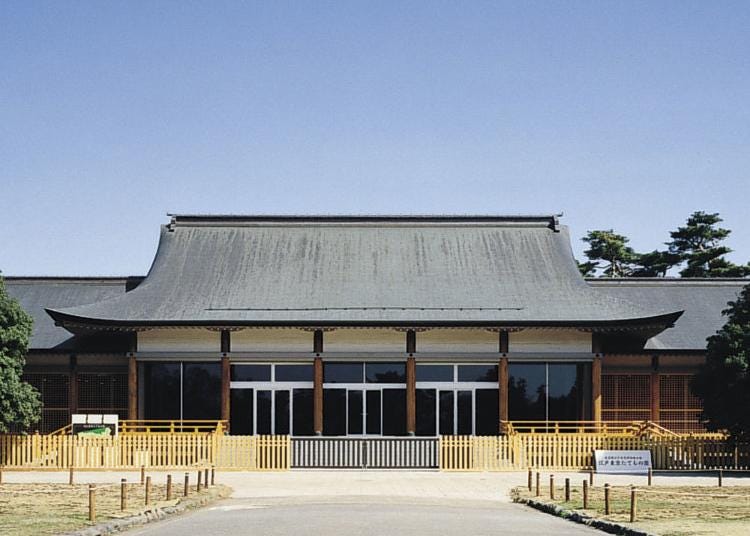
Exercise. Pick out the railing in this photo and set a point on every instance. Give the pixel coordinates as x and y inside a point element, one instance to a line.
<point>365,453</point>
<point>205,426</point>
<point>575,452</point>
<point>615,428</point>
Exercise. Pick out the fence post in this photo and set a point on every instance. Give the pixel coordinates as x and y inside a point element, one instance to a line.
<point>198,487</point>
<point>606,499</point>
<point>92,502</point>
<point>633,503</point>
<point>70,476</point>
<point>187,489</point>
<point>148,490</point>
<point>213,476</point>
<point>591,477</point>
<point>123,494</point>
<point>169,487</point>
<point>143,474</point>
<point>585,494</point>
<point>552,487</point>
<point>1,474</point>
<point>650,475</point>
<point>529,478</point>
<point>721,477</point>
<point>538,478</point>
<point>567,490</point>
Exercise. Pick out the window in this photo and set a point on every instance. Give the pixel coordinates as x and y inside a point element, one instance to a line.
<point>549,391</point>
<point>175,391</point>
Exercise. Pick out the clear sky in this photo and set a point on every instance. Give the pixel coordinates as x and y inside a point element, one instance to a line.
<point>625,115</point>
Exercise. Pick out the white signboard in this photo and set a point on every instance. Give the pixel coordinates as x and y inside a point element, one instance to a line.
<point>622,461</point>
<point>94,425</point>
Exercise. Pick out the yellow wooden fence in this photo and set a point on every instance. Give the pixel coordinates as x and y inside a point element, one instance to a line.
<point>155,451</point>
<point>575,451</point>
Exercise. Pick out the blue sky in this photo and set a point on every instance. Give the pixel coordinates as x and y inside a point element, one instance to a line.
<point>624,115</point>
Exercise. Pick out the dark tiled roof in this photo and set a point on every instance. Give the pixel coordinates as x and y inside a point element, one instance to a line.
<point>703,301</point>
<point>318,270</point>
<point>35,294</point>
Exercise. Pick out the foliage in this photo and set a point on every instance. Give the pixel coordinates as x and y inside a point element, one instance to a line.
<point>698,243</point>
<point>654,264</point>
<point>611,248</point>
<point>724,381</point>
<point>587,269</point>
<point>20,405</point>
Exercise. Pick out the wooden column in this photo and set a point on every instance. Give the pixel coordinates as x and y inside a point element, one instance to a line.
<point>596,388</point>
<point>318,396</point>
<point>502,384</point>
<point>73,385</point>
<point>411,395</point>
<point>225,375</point>
<point>655,393</point>
<point>132,388</point>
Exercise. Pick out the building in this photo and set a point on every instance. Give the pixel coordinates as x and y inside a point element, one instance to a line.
<point>369,325</point>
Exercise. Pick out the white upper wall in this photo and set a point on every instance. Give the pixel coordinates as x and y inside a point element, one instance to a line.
<point>364,340</point>
<point>544,340</point>
<point>179,340</point>
<point>458,340</point>
<point>271,340</point>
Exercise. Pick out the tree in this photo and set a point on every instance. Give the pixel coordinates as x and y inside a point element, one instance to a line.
<point>723,382</point>
<point>611,248</point>
<point>655,264</point>
<point>20,404</point>
<point>698,243</point>
<point>587,269</point>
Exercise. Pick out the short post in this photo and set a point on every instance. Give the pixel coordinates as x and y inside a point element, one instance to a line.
<point>205,477</point>
<point>169,487</point>
<point>123,494</point>
<point>721,477</point>
<point>143,474</point>
<point>585,494</point>
<point>552,487</point>
<point>213,475</point>
<point>606,499</point>
<point>198,487</point>
<point>70,476</point>
<point>187,488</point>
<point>1,474</point>
<point>591,477</point>
<point>529,478</point>
<point>538,479</point>
<point>567,490</point>
<point>92,502</point>
<point>650,475</point>
<point>633,503</point>
<point>148,490</point>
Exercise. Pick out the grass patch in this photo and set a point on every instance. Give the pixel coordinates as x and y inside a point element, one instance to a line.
<point>663,510</point>
<point>27,509</point>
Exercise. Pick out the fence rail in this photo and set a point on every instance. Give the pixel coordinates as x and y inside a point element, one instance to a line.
<point>365,453</point>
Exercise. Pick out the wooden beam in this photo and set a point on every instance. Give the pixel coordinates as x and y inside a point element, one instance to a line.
<point>503,342</point>
<point>411,396</point>
<point>655,393</point>
<point>225,385</point>
<point>411,342</point>
<point>318,341</point>
<point>502,384</point>
<point>318,395</point>
<point>226,341</point>
<point>596,388</point>
<point>132,388</point>
<point>73,385</point>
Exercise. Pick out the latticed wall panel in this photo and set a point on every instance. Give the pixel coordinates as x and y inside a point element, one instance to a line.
<point>679,409</point>
<point>54,390</point>
<point>626,397</point>
<point>103,393</point>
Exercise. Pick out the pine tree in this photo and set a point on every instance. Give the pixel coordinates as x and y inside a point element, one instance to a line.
<point>724,381</point>
<point>655,264</point>
<point>698,243</point>
<point>20,405</point>
<point>611,248</point>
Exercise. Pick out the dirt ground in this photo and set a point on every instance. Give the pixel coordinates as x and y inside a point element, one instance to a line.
<point>667,511</point>
<point>31,509</point>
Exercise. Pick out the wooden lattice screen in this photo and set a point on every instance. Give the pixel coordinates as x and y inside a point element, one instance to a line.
<point>54,392</point>
<point>626,397</point>
<point>103,393</point>
<point>679,409</point>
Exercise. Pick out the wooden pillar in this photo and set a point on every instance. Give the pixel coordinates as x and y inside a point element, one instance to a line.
<point>73,385</point>
<point>411,395</point>
<point>318,396</point>
<point>132,388</point>
<point>226,348</point>
<point>502,384</point>
<point>655,393</point>
<point>596,388</point>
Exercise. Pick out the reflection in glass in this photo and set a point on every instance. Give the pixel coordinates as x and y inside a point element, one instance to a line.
<point>201,391</point>
<point>162,390</point>
<point>487,412</point>
<point>477,373</point>
<point>568,396</point>
<point>394,412</point>
<point>334,414</point>
<point>250,373</point>
<point>527,392</point>
<point>434,373</point>
<point>342,372</point>
<point>446,413</point>
<point>281,411</point>
<point>241,413</point>
<point>385,372</point>
<point>373,412</point>
<point>263,417</point>
<point>426,418</point>
<point>294,373</point>
<point>464,413</point>
<point>302,418</point>
<point>355,412</point>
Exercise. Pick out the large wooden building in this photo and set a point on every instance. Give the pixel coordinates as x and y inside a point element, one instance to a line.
<point>342,325</point>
